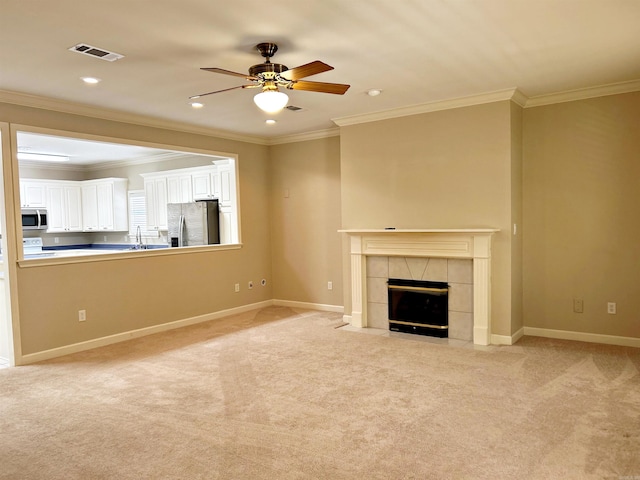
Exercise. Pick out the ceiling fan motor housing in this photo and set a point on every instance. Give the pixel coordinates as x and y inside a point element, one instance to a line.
<point>267,68</point>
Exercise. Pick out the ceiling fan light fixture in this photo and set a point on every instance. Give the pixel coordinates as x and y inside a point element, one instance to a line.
<point>271,101</point>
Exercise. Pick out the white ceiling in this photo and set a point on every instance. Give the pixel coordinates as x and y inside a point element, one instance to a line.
<point>82,152</point>
<point>415,51</point>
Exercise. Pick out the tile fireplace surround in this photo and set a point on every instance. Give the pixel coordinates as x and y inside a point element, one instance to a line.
<point>472,244</point>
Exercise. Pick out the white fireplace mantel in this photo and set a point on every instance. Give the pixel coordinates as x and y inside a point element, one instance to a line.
<point>473,244</point>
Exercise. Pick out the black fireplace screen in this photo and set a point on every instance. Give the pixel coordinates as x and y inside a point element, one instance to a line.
<point>418,306</point>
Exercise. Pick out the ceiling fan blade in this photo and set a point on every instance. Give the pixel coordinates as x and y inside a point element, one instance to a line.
<point>229,72</point>
<point>322,87</point>
<point>225,90</point>
<point>306,70</point>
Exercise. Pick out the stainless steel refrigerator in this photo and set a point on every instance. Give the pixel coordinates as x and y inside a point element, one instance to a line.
<point>195,223</point>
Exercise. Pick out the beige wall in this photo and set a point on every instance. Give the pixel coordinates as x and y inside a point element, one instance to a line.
<point>582,229</point>
<point>52,173</point>
<point>447,169</point>
<point>306,243</point>
<point>566,174</point>
<point>123,295</point>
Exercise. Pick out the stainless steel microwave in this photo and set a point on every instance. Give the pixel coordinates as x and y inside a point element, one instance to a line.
<point>34,219</point>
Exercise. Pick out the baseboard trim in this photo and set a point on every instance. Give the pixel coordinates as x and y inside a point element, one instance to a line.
<point>583,337</point>
<point>309,306</point>
<point>141,332</point>
<point>506,339</point>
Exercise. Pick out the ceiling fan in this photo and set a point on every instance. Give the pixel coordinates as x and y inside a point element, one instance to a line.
<point>269,76</point>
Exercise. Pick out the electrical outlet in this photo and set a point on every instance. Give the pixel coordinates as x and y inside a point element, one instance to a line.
<point>56,240</point>
<point>82,315</point>
<point>329,285</point>
<point>611,308</point>
<point>250,285</point>
<point>237,287</point>
<point>578,305</point>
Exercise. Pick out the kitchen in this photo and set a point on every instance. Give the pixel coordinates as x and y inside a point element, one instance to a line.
<point>112,198</point>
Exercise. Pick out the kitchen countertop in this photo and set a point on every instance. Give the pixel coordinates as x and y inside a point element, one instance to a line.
<point>96,249</point>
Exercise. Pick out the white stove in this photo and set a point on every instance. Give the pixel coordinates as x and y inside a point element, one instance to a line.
<point>32,248</point>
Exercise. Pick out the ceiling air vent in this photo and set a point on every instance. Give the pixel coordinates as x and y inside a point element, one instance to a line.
<point>96,52</point>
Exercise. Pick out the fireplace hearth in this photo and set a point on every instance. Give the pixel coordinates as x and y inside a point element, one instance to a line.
<point>418,306</point>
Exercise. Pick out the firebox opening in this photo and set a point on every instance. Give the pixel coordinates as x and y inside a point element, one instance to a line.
<point>419,307</point>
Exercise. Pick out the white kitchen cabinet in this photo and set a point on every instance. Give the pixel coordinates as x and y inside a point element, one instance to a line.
<point>202,185</point>
<point>191,184</point>
<point>214,182</point>
<point>64,205</point>
<point>227,185</point>
<point>104,205</point>
<point>226,228</point>
<point>90,207</point>
<point>179,189</point>
<point>33,194</point>
<point>155,191</point>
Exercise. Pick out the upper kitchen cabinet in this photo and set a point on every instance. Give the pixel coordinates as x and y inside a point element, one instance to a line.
<point>179,188</point>
<point>192,184</point>
<point>33,194</point>
<point>104,205</point>
<point>64,204</point>
<point>155,192</point>
<point>214,182</point>
<point>202,184</point>
<point>227,185</point>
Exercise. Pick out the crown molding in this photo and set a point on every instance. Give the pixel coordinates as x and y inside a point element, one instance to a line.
<point>64,106</point>
<point>483,98</point>
<point>157,158</point>
<point>519,98</point>
<point>303,137</point>
<point>584,93</point>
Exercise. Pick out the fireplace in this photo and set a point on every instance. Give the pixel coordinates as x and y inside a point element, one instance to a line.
<point>419,307</point>
<point>474,244</point>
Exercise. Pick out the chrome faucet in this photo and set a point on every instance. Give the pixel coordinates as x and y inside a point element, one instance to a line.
<point>138,238</point>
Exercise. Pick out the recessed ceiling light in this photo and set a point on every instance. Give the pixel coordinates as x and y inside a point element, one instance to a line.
<point>90,80</point>
<point>197,104</point>
<point>374,92</point>
<point>271,121</point>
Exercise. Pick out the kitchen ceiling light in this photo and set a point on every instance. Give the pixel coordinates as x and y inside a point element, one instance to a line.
<point>90,80</point>
<point>270,121</point>
<point>271,101</point>
<point>197,104</point>
<point>42,157</point>
<point>374,92</point>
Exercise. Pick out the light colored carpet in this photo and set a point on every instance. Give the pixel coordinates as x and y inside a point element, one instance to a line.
<point>282,394</point>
